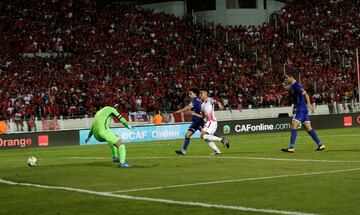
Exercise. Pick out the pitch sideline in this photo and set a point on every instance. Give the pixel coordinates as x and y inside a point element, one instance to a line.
<point>167,201</point>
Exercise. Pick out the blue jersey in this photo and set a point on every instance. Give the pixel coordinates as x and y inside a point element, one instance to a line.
<point>298,99</point>
<point>196,107</point>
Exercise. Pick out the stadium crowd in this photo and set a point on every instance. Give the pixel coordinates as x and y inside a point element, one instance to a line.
<point>87,56</point>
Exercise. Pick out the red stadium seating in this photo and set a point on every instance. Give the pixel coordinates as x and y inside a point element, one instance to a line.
<point>122,54</point>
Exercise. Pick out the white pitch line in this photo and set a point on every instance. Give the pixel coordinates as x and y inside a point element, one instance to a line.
<point>237,180</point>
<point>266,135</point>
<point>224,157</point>
<point>108,158</point>
<point>167,201</point>
<point>277,159</point>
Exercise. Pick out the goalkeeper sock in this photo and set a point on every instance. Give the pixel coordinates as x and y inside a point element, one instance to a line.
<point>213,146</point>
<point>114,151</point>
<point>314,137</point>
<point>122,153</point>
<point>212,137</point>
<point>293,137</point>
<point>186,143</point>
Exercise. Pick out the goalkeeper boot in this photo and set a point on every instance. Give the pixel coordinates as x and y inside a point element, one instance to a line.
<point>124,165</point>
<point>116,159</point>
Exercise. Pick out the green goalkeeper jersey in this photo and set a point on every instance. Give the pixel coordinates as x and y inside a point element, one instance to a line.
<point>103,117</point>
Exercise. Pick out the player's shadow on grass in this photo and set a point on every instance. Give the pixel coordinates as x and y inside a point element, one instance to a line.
<point>100,163</point>
<point>144,166</point>
<point>111,164</point>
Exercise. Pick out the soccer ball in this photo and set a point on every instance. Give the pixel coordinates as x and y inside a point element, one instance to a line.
<point>32,161</point>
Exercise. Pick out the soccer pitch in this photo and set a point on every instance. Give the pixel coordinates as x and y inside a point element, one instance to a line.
<point>252,177</point>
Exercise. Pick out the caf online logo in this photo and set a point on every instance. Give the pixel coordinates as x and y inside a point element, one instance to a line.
<point>226,129</point>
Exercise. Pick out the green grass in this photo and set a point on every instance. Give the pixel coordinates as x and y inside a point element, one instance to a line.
<point>155,164</point>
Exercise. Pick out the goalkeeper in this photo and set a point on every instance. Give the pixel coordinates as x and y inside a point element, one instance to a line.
<point>101,131</point>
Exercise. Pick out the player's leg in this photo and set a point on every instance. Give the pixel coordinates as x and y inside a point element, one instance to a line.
<point>210,143</point>
<point>214,147</point>
<point>115,154</point>
<point>294,126</point>
<point>122,152</point>
<point>210,128</point>
<point>112,139</point>
<point>312,133</point>
<point>188,134</point>
<point>208,131</point>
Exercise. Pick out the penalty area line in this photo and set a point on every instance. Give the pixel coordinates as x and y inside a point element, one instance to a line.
<point>221,157</point>
<point>236,180</point>
<point>277,159</point>
<point>158,200</point>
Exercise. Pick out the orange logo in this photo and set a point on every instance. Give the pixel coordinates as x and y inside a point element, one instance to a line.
<point>16,142</point>
<point>43,140</point>
<point>347,121</point>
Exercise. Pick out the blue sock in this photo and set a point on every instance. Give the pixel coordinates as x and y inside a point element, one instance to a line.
<point>293,137</point>
<point>314,137</point>
<point>186,143</point>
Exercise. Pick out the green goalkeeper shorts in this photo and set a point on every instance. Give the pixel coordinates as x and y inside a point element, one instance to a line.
<point>107,135</point>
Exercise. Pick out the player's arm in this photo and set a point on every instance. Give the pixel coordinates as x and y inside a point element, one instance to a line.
<point>301,91</point>
<point>124,121</point>
<point>307,99</point>
<point>293,109</point>
<point>221,106</point>
<point>187,107</point>
<point>89,136</point>
<point>196,114</point>
<point>121,118</point>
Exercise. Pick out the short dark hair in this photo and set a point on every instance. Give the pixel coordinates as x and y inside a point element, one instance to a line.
<point>290,74</point>
<point>205,90</point>
<point>194,90</point>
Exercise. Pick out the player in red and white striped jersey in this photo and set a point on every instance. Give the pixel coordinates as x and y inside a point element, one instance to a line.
<point>207,133</point>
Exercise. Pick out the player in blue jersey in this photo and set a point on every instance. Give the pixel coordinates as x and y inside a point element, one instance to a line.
<point>197,122</point>
<point>302,105</point>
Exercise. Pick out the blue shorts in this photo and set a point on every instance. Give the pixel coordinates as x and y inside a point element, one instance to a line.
<point>196,126</point>
<point>301,117</point>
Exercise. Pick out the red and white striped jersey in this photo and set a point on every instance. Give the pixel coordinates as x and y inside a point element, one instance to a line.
<point>207,108</point>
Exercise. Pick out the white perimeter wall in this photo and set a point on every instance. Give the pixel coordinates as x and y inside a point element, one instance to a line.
<point>85,123</point>
<point>239,16</point>
<point>174,7</point>
<point>221,14</point>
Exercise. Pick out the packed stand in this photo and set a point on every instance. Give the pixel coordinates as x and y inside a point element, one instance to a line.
<point>136,59</point>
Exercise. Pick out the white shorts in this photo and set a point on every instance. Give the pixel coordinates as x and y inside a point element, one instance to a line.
<point>210,127</point>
